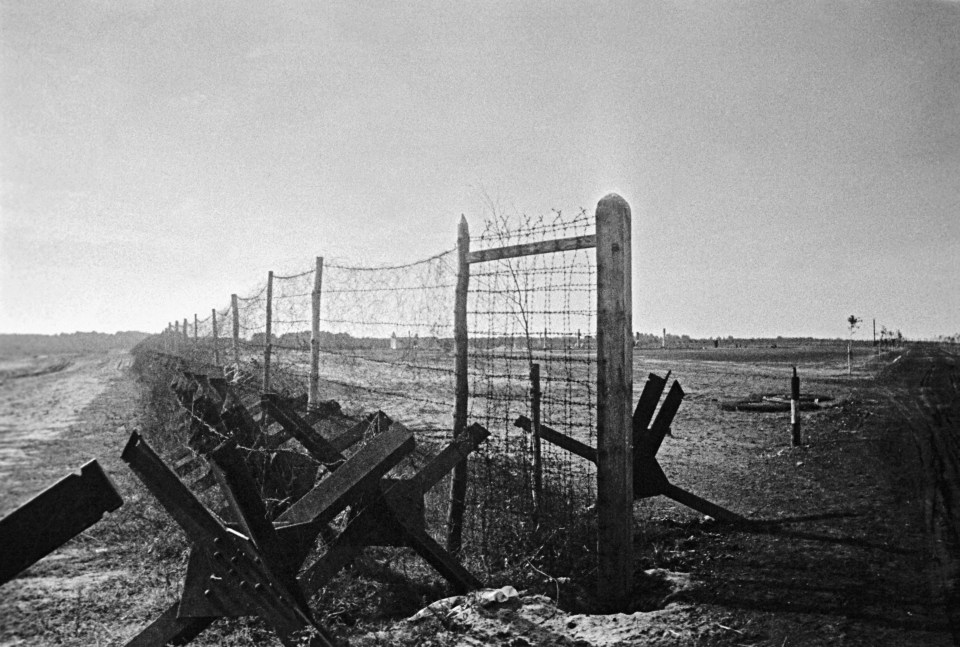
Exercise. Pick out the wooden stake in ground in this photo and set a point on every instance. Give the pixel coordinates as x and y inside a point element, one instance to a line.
<point>614,402</point>
<point>458,484</point>
<point>186,335</point>
<point>314,391</point>
<point>194,327</point>
<point>268,346</point>
<point>795,408</point>
<point>216,341</point>
<point>236,329</point>
<point>537,458</point>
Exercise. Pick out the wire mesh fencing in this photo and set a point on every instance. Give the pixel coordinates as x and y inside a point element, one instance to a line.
<point>382,338</point>
<point>532,310</point>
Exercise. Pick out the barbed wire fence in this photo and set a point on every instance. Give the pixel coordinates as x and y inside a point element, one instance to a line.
<point>385,341</point>
<point>532,311</point>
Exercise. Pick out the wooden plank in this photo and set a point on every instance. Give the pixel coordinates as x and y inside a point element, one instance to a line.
<point>312,441</point>
<point>435,555</point>
<point>648,478</point>
<point>455,452</point>
<point>234,558</point>
<point>646,405</point>
<point>48,520</point>
<point>528,249</point>
<point>379,421</point>
<point>341,552</point>
<point>205,596</point>
<point>559,439</point>
<point>661,425</point>
<point>702,505</point>
<point>614,404</point>
<point>355,477</point>
<point>458,483</point>
<point>243,497</point>
<point>170,629</point>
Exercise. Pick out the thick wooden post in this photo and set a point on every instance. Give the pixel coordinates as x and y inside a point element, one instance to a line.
<point>614,403</point>
<point>176,337</point>
<point>537,457</point>
<point>268,345</point>
<point>216,341</point>
<point>186,334</point>
<point>236,329</point>
<point>314,392</point>
<point>458,484</point>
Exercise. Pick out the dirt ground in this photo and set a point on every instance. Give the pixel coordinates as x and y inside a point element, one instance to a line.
<point>843,553</point>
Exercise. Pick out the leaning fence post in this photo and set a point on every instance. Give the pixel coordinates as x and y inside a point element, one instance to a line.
<point>216,341</point>
<point>268,346</point>
<point>614,401</point>
<point>537,458</point>
<point>458,484</point>
<point>236,329</point>
<point>314,392</point>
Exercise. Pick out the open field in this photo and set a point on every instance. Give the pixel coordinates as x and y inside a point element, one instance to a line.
<point>847,556</point>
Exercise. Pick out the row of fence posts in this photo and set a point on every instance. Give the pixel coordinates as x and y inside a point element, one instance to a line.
<point>176,335</point>
<point>614,384</point>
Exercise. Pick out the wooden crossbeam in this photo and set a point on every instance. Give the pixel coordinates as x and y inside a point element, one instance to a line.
<point>528,249</point>
<point>313,442</point>
<point>51,518</point>
<point>392,515</point>
<point>648,477</point>
<point>561,440</point>
<point>356,476</point>
<point>234,560</point>
<point>646,405</point>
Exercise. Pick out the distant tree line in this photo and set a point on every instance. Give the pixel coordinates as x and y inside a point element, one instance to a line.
<point>75,342</point>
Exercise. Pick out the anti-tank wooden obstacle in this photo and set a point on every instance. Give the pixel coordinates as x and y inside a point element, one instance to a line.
<point>648,477</point>
<point>384,511</point>
<point>53,517</point>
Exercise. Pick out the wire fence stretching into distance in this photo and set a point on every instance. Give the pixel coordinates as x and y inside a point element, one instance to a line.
<point>385,338</point>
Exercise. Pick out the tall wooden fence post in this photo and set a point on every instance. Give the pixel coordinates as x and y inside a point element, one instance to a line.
<point>268,329</point>
<point>234,302</point>
<point>176,337</point>
<point>186,334</point>
<point>216,341</point>
<point>537,458</point>
<point>795,409</point>
<point>314,392</point>
<point>458,484</point>
<point>614,403</point>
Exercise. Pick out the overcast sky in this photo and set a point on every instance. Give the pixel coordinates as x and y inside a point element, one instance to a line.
<point>788,163</point>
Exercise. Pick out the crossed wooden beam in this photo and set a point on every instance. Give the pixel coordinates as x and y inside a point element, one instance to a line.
<point>648,477</point>
<point>53,517</point>
<point>252,565</point>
